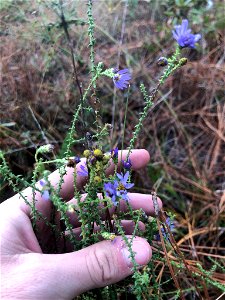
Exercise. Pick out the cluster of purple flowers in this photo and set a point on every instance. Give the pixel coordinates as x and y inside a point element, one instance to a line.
<point>118,188</point>
<point>182,34</point>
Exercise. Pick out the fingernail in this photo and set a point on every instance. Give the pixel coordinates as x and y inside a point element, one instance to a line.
<point>142,251</point>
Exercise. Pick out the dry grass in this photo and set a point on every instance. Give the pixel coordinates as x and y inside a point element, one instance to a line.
<point>185,133</point>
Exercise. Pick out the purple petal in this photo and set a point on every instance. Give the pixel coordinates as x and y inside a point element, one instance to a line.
<point>123,71</point>
<point>197,37</point>
<point>45,195</point>
<point>175,36</point>
<point>184,25</point>
<point>126,77</point>
<point>125,197</point>
<point>42,182</point>
<point>119,176</point>
<point>126,176</point>
<point>118,84</point>
<point>129,185</point>
<point>83,171</point>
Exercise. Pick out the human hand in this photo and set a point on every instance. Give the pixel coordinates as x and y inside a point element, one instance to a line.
<point>28,273</point>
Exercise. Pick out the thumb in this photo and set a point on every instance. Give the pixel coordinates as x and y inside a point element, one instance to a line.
<point>96,266</point>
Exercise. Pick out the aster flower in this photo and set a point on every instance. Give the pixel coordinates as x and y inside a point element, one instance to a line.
<point>122,185</point>
<point>121,78</point>
<point>45,192</point>
<point>118,188</point>
<point>110,191</point>
<point>127,164</point>
<point>183,35</point>
<point>83,171</point>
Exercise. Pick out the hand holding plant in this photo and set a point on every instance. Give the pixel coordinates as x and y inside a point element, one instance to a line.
<point>30,272</point>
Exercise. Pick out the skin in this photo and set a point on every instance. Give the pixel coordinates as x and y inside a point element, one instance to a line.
<point>28,273</point>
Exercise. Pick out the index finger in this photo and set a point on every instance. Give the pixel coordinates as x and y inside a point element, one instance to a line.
<point>139,158</point>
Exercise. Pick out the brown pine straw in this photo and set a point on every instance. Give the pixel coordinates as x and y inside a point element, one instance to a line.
<point>168,262</point>
<point>162,217</point>
<point>199,232</point>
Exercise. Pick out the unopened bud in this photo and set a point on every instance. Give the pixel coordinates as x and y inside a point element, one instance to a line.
<point>162,61</point>
<point>98,153</point>
<point>45,148</point>
<point>87,153</point>
<point>183,61</point>
<point>97,179</point>
<point>106,158</point>
<point>71,208</point>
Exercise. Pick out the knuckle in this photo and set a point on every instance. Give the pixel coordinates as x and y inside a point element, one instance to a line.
<point>102,266</point>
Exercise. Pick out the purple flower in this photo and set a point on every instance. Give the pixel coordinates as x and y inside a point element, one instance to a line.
<point>164,230</point>
<point>122,185</point>
<point>110,191</point>
<point>183,35</point>
<point>45,192</point>
<point>118,188</point>
<point>83,171</point>
<point>114,152</point>
<point>170,225</point>
<point>121,78</point>
<point>127,164</point>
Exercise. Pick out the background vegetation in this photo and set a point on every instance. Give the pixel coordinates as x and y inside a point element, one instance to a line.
<point>185,134</point>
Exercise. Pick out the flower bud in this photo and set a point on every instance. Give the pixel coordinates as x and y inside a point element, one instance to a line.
<point>71,208</point>
<point>97,179</point>
<point>162,61</point>
<point>87,153</point>
<point>106,158</point>
<point>45,148</point>
<point>127,164</point>
<point>98,153</point>
<point>183,61</point>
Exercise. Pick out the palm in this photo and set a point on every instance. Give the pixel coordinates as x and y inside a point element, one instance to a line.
<point>19,236</point>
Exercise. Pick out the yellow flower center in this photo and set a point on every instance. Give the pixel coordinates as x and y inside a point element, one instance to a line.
<point>120,187</point>
<point>117,77</point>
